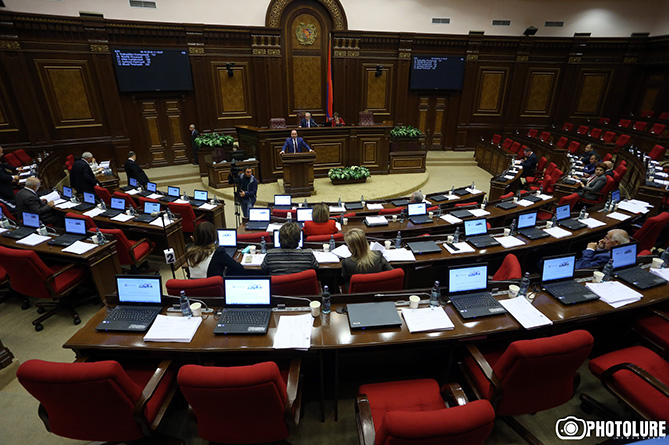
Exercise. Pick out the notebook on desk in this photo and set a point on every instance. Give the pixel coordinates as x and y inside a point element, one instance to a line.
<point>132,184</point>
<point>476,231</point>
<point>462,214</point>
<point>67,192</point>
<point>508,205</point>
<point>30,224</point>
<point>247,306</point>
<point>139,302</point>
<point>418,213</point>
<point>75,230</point>
<point>373,315</point>
<point>624,264</point>
<point>258,218</point>
<point>557,277</point>
<point>151,188</point>
<point>227,238</point>
<point>424,247</point>
<point>467,291</point>
<point>354,206</point>
<point>439,198</point>
<point>527,226</point>
<point>400,202</point>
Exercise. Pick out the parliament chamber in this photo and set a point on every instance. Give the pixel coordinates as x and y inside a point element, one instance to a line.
<point>507,121</point>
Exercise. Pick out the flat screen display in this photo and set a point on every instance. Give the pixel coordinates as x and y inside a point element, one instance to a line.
<point>527,220</point>
<point>152,69</point>
<point>468,278</point>
<point>437,73</point>
<point>118,203</point>
<point>417,209</point>
<point>475,227</point>
<point>558,268</point>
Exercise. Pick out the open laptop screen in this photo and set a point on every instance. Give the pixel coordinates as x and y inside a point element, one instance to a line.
<point>615,195</point>
<point>247,291</point>
<point>558,268</point>
<point>624,256</point>
<point>475,227</point>
<point>259,214</point>
<point>419,208</point>
<point>467,278</point>
<point>304,214</point>
<point>277,241</point>
<point>227,237</point>
<point>132,182</point>
<point>67,192</point>
<point>31,220</point>
<point>200,195</point>
<point>527,220</point>
<point>75,226</point>
<point>562,212</point>
<point>282,200</point>
<point>151,186</point>
<point>151,207</point>
<point>89,198</point>
<point>139,289</point>
<point>173,191</point>
<point>118,203</point>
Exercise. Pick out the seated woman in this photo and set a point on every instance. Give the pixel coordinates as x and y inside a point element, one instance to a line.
<point>362,259</point>
<point>321,224</point>
<point>594,184</point>
<point>589,169</point>
<point>337,121</point>
<point>205,259</point>
<point>289,259</point>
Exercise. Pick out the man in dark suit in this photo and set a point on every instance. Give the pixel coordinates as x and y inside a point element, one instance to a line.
<point>609,169</point>
<point>308,122</point>
<point>133,170</point>
<point>27,200</point>
<point>599,253</point>
<point>82,177</point>
<point>193,135</point>
<point>530,163</point>
<point>8,176</point>
<point>596,183</point>
<point>294,144</point>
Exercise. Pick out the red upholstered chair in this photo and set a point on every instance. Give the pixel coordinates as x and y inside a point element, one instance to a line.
<point>570,199</point>
<point>277,122</point>
<point>280,213</point>
<point>6,212</point>
<point>23,156</point>
<point>604,120</point>
<point>30,276</point>
<point>515,147</point>
<point>545,183</point>
<point>100,401</point>
<point>654,327</point>
<point>573,147</point>
<point>199,287</point>
<point>90,224</point>
<point>395,211</point>
<point>69,161</point>
<point>507,143</point>
<point>638,377</point>
<point>622,140</point>
<point>509,270</point>
<point>12,159</point>
<point>567,126</point>
<point>388,280</point>
<point>607,157</point>
<point>414,412</point>
<point>602,194</point>
<point>657,153</point>
<point>253,237</point>
<point>187,215</point>
<point>4,284</point>
<point>324,238</point>
<point>639,125</point>
<point>618,175</point>
<point>624,123</point>
<point>608,137</point>
<point>528,375</point>
<point>664,115</point>
<point>142,200</point>
<point>103,194</point>
<point>466,204</point>
<point>621,168</point>
<point>583,130</point>
<point>647,234</point>
<point>532,133</point>
<point>657,128</point>
<point>243,404</point>
<point>366,118</point>
<point>300,283</point>
<point>562,142</point>
<point>545,136</point>
<point>129,202</point>
<point>130,253</point>
<point>539,172</point>
<point>647,114</point>
<point>595,133</point>
<point>496,139</point>
<point>507,195</point>
<point>433,208</point>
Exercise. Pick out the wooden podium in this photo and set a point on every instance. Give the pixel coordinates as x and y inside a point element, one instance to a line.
<point>298,173</point>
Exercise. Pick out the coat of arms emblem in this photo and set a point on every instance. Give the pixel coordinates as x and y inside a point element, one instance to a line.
<point>306,33</point>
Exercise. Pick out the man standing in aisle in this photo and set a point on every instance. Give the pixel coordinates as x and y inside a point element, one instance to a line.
<point>133,170</point>
<point>194,134</point>
<point>82,177</point>
<point>8,177</point>
<point>248,189</point>
<point>295,144</point>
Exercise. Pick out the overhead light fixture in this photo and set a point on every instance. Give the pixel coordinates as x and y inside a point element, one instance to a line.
<point>379,71</point>
<point>530,31</point>
<point>228,66</point>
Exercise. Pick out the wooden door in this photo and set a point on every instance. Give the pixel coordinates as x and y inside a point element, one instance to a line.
<point>164,131</point>
<point>431,121</point>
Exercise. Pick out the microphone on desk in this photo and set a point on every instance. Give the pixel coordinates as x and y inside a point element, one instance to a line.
<point>292,298</point>
<point>157,213</point>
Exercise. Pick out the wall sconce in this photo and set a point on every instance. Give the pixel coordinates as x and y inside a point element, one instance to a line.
<point>379,71</point>
<point>228,66</point>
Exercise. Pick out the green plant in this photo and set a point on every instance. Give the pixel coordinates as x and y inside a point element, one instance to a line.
<point>346,173</point>
<point>407,132</point>
<point>213,140</point>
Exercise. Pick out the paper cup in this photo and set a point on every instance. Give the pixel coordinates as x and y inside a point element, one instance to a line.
<point>507,232</point>
<point>513,291</point>
<point>549,224</point>
<point>597,276</point>
<point>345,221</point>
<point>430,214</point>
<point>449,239</point>
<point>394,218</point>
<point>315,308</point>
<point>413,301</point>
<point>388,243</point>
<point>326,247</point>
<point>196,308</point>
<point>515,199</point>
<point>657,263</point>
<point>252,250</point>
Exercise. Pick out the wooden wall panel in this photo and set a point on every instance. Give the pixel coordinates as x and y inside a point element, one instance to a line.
<point>176,128</point>
<point>541,85</point>
<point>491,91</point>
<point>377,91</point>
<point>7,120</point>
<point>307,82</point>
<point>592,92</point>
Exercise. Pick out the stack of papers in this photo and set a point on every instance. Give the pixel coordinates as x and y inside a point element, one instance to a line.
<point>451,219</point>
<point>66,205</point>
<point>79,247</point>
<point>94,212</point>
<point>155,196</point>
<point>325,257</point>
<point>473,191</point>
<point>161,221</point>
<point>544,197</point>
<point>619,216</point>
<point>592,223</point>
<point>335,209</point>
<point>662,273</point>
<point>207,206</point>
<point>524,313</point>
<point>524,203</point>
<point>463,246</point>
<point>399,255</point>
<point>376,220</point>
<point>53,196</point>
<point>427,319</point>
<point>256,260</point>
<point>374,206</point>
<point>342,251</point>
<point>132,192</point>
<point>33,240</point>
<point>635,206</point>
<point>173,329</point>
<point>509,241</point>
<point>274,226</point>
<point>557,232</point>
<point>293,332</point>
<point>479,213</point>
<point>122,217</point>
<point>614,293</point>
<point>452,197</point>
<point>181,201</point>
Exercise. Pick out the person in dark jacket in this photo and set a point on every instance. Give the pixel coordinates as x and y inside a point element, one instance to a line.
<point>8,176</point>
<point>133,170</point>
<point>248,189</point>
<point>82,177</point>
<point>599,253</point>
<point>27,200</point>
<point>530,163</point>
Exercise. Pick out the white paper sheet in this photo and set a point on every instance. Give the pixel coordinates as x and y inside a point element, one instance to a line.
<point>557,232</point>
<point>451,219</point>
<point>342,251</point>
<point>614,293</point>
<point>374,206</point>
<point>377,246</point>
<point>155,196</point>
<point>544,197</point>
<point>524,313</point>
<point>94,212</point>
<point>427,319</point>
<point>662,273</point>
<point>181,201</point>
<point>592,223</point>
<point>256,260</point>
<point>25,174</point>
<point>524,203</point>
<point>66,205</point>
<point>338,226</point>
<point>173,329</point>
<point>509,241</point>
<point>463,246</point>
<point>207,206</point>
<point>335,209</point>
<point>3,230</point>
<point>325,257</point>
<point>619,216</point>
<point>33,239</point>
<point>376,220</point>
<point>638,202</point>
<point>79,247</point>
<point>479,213</point>
<point>399,255</point>
<point>132,192</point>
<point>631,207</point>
<point>293,332</point>
<point>122,217</point>
<point>23,181</point>
<point>161,221</point>
<point>452,197</point>
<point>473,191</point>
<point>53,196</point>
<point>509,176</point>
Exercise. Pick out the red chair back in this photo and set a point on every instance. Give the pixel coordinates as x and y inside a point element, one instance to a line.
<point>509,270</point>
<point>496,139</point>
<point>6,212</point>
<point>647,114</point>
<point>657,128</point>
<point>129,202</point>
<point>277,122</point>
<point>125,247</point>
<point>90,224</point>
<point>23,156</point>
<point>142,200</point>
<point>562,142</point>
<point>639,125</point>
<point>532,133</point>
<point>300,283</point>
<point>648,233</point>
<point>582,130</point>
<point>608,136</point>
<point>624,123</point>
<point>541,164</point>
<point>103,194</point>
<point>388,280</point>
<point>622,140</point>
<point>567,126</point>
<point>664,115</point>
<point>507,195</point>
<point>607,157</point>
<point>325,238</point>
<point>186,213</point>
<point>595,132</point>
<point>545,136</point>
<point>280,213</point>
<point>253,237</point>
<point>573,147</point>
<point>395,211</point>
<point>657,153</point>
<point>515,147</point>
<point>27,272</point>
<point>604,120</point>
<point>507,143</point>
<point>200,287</point>
<point>12,159</point>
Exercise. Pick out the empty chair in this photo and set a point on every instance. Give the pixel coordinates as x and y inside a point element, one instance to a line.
<point>664,115</point>
<point>387,280</point>
<point>647,114</point>
<point>509,269</point>
<point>103,194</point>
<point>100,401</point>
<point>413,411</point>
<point>253,237</point>
<point>654,327</point>
<point>573,147</point>
<point>277,122</point>
<point>647,234</point>
<point>657,128</point>
<point>582,130</point>
<point>496,139</point>
<point>339,236</point>
<point>130,253</point>
<point>532,133</point>
<point>23,156</point>
<point>366,118</point>
<point>571,199</point>
<point>618,175</point>
<point>300,283</point>
<point>639,125</point>
<point>657,153</point>
<point>515,147</point>
<point>129,202</point>
<point>607,157</point>
<point>243,404</point>
<point>393,211</point>
<point>595,133</point>
<point>187,215</point>
<point>12,159</point>
<point>199,287</point>
<point>142,200</point>
<point>507,143</point>
<point>545,136</point>
<point>624,123</point>
<point>608,137</point>
<point>283,213</point>
<point>620,167</point>
<point>567,126</point>
<point>562,142</point>
<point>604,120</point>
<point>507,195</point>
<point>622,140</point>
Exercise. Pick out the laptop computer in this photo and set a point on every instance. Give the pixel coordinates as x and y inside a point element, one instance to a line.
<point>624,265</point>
<point>557,277</point>
<point>438,198</point>
<point>476,231</point>
<point>531,198</point>
<point>461,191</point>
<point>354,206</point>
<point>277,241</point>
<point>75,230</point>
<point>283,202</point>
<point>373,315</point>
<point>467,291</point>
<point>423,247</point>
<point>173,193</point>
<point>199,197</point>
<point>400,202</point>
<point>462,214</point>
<point>526,226</point>
<point>30,224</point>
<point>563,215</point>
<point>247,306</point>
<point>67,192</point>
<point>418,213</point>
<point>227,238</point>
<point>132,184</point>
<point>508,205</point>
<point>151,188</point>
<point>117,207</point>
<point>615,195</point>
<point>89,203</point>
<point>151,211</point>
<point>258,218</point>
<point>304,214</point>
<point>140,300</point>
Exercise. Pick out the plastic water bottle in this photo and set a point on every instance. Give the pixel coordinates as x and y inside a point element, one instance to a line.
<point>665,257</point>
<point>263,245</point>
<point>524,285</point>
<point>435,295</point>
<point>554,220</point>
<point>472,187</point>
<point>362,199</point>
<point>325,306</point>
<point>184,303</point>
<point>289,216</point>
<point>333,245</point>
<point>42,229</point>
<point>398,240</point>
<point>339,203</point>
<point>607,270</point>
<point>456,235</point>
<point>484,203</point>
<point>306,204</point>
<point>582,214</point>
<point>512,227</point>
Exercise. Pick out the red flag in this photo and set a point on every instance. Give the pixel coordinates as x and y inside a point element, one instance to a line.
<point>328,110</point>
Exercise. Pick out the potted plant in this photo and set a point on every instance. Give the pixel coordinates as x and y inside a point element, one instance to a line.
<point>348,175</point>
<point>405,138</point>
<point>215,143</point>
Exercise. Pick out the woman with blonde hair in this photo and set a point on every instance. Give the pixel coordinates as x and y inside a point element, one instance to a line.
<point>321,223</point>
<point>205,259</point>
<point>362,259</point>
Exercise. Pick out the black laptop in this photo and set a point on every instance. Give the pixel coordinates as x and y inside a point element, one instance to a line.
<point>557,277</point>
<point>117,207</point>
<point>75,230</point>
<point>462,214</point>
<point>467,291</point>
<point>354,206</point>
<point>423,247</point>
<point>438,198</point>
<point>563,216</point>
<point>418,213</point>
<point>30,224</point>
<point>624,265</point>
<point>151,188</point>
<point>132,184</point>
<point>247,306</point>
<point>227,238</point>
<point>400,202</point>
<point>199,197</point>
<point>507,205</point>
<point>461,191</point>
<point>151,211</point>
<point>259,218</point>
<point>88,204</point>
<point>476,231</point>
<point>67,192</point>
<point>139,302</point>
<point>373,315</point>
<point>173,193</point>
<point>283,202</point>
<point>527,226</point>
